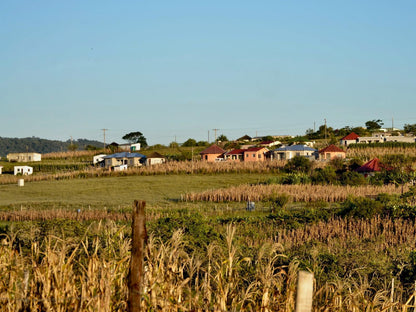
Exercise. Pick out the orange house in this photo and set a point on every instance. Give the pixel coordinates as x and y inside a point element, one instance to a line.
<point>255,154</point>
<point>331,152</point>
<point>212,153</point>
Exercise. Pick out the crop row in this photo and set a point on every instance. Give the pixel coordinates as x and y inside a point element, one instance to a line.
<point>298,193</point>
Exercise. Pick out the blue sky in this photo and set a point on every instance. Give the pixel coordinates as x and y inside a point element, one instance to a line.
<point>179,69</point>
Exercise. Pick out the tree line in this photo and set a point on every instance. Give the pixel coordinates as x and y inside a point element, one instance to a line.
<point>38,145</point>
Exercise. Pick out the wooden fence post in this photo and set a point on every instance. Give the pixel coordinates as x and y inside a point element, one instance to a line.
<point>139,237</point>
<point>304,292</point>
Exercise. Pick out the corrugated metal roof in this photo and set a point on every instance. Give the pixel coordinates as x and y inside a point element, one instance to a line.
<point>125,155</point>
<point>295,148</point>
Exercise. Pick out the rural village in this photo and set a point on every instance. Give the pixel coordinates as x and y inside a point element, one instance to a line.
<point>208,156</point>
<point>309,210</point>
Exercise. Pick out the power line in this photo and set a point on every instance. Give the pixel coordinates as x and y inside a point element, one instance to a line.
<point>215,134</point>
<point>104,130</point>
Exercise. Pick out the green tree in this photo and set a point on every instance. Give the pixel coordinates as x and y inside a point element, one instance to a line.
<point>90,147</point>
<point>374,124</point>
<point>202,143</point>
<point>298,164</point>
<point>222,138</point>
<point>410,128</point>
<point>189,142</point>
<point>136,137</point>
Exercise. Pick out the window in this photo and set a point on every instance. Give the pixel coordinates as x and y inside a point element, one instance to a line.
<point>259,155</point>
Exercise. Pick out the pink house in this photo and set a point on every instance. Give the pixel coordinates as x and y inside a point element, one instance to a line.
<point>212,153</point>
<point>331,152</point>
<point>255,154</point>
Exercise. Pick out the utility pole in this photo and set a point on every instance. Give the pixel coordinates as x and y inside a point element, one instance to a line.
<point>392,124</point>
<point>215,134</point>
<point>104,130</point>
<point>314,127</point>
<point>325,129</point>
<point>208,136</point>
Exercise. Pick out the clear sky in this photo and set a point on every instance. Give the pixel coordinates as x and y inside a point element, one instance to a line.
<point>179,69</point>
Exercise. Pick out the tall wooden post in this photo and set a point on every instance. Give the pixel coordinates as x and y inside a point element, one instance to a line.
<point>139,237</point>
<point>304,292</point>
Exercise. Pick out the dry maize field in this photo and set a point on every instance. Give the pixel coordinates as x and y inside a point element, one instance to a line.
<point>61,274</point>
<point>298,193</point>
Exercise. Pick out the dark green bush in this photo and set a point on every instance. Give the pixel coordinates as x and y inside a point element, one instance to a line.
<point>326,175</point>
<point>361,207</point>
<point>352,178</point>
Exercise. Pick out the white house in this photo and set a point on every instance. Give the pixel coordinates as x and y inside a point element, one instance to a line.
<point>24,157</point>
<point>98,158</point>
<point>1,169</point>
<point>23,170</point>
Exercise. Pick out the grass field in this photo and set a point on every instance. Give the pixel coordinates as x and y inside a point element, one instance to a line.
<point>114,192</point>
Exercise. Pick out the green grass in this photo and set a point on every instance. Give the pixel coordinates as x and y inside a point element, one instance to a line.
<point>115,192</point>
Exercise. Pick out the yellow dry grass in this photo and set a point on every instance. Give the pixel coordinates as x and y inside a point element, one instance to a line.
<point>298,193</point>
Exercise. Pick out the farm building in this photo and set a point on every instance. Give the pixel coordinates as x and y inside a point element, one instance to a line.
<point>24,157</point>
<point>331,152</point>
<point>23,170</point>
<point>288,152</point>
<point>155,159</point>
<point>212,153</point>
<point>1,169</point>
<point>124,158</point>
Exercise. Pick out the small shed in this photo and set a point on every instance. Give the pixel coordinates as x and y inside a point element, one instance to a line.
<point>1,169</point>
<point>23,170</point>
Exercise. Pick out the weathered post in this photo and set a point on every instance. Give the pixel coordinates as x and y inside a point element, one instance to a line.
<point>139,237</point>
<point>304,292</point>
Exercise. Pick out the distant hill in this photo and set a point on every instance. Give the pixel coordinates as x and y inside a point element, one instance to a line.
<point>38,145</point>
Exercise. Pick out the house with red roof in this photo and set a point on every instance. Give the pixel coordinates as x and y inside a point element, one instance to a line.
<point>235,155</point>
<point>331,152</point>
<point>212,153</point>
<point>255,154</point>
<point>349,139</point>
<point>370,167</point>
